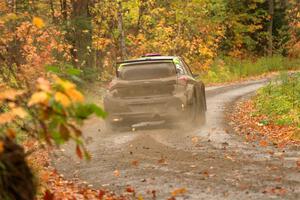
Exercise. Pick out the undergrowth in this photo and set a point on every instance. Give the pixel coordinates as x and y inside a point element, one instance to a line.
<point>231,69</point>
<point>280,100</point>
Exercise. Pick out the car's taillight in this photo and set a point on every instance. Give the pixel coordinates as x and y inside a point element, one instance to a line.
<point>182,80</point>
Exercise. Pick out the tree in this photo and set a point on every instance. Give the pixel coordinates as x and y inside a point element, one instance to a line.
<point>270,27</point>
<point>81,29</point>
<point>121,31</point>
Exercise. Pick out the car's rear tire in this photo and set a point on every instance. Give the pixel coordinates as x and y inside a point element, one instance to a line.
<point>202,111</point>
<point>196,111</point>
<point>192,110</point>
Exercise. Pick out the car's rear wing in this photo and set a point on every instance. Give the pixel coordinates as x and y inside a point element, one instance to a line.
<point>144,59</point>
<point>141,60</point>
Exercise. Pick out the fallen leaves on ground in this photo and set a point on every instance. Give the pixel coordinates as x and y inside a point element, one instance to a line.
<point>195,140</point>
<point>162,161</point>
<point>135,163</point>
<point>179,191</point>
<point>276,190</point>
<point>263,143</point>
<point>130,189</point>
<point>251,127</point>
<point>53,186</point>
<point>116,173</point>
<point>298,164</point>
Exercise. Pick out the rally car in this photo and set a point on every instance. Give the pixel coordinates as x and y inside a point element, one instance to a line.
<point>153,90</point>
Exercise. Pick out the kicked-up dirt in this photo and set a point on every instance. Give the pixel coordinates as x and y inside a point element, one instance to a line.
<point>208,162</point>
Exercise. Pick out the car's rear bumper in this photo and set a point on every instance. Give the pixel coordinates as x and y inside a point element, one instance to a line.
<point>136,110</point>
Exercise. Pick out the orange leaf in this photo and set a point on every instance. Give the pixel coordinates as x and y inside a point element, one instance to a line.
<point>38,22</point>
<point>135,163</point>
<point>11,133</point>
<point>298,163</point>
<point>130,189</point>
<point>20,112</point>
<point>10,94</point>
<point>48,195</point>
<point>1,147</point>
<point>116,173</point>
<point>195,140</point>
<point>263,143</point>
<point>6,117</point>
<point>75,95</point>
<point>78,152</point>
<point>62,98</point>
<point>162,161</point>
<point>178,191</point>
<point>101,194</point>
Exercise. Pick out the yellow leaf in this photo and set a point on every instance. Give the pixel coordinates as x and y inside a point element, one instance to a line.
<point>6,117</point>
<point>10,94</point>
<point>19,111</point>
<point>37,98</point>
<point>62,98</point>
<point>38,22</point>
<point>11,105</point>
<point>67,85</point>
<point>75,95</point>
<point>1,147</point>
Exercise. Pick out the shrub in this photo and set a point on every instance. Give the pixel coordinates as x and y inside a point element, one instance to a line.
<point>280,100</point>
<point>229,69</point>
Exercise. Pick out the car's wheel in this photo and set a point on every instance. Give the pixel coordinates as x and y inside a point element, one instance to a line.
<point>192,110</point>
<point>202,110</point>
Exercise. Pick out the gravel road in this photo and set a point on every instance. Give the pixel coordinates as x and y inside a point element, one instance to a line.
<point>210,162</point>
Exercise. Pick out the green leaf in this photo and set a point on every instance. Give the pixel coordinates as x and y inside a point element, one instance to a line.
<point>98,111</point>
<point>84,111</point>
<point>56,136</point>
<point>53,69</point>
<point>73,71</point>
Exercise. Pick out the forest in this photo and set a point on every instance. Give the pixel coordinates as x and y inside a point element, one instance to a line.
<point>92,35</point>
<point>51,50</point>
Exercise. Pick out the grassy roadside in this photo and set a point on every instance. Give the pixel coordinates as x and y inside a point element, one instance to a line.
<point>274,112</point>
<point>228,69</point>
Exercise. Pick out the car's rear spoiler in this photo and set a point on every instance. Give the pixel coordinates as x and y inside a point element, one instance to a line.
<point>144,59</point>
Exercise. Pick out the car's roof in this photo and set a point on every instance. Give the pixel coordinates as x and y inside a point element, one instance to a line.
<point>148,58</point>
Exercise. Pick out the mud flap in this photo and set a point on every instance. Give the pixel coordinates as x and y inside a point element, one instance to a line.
<point>189,93</point>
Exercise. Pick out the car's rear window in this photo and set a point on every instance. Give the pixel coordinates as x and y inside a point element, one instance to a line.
<point>140,71</point>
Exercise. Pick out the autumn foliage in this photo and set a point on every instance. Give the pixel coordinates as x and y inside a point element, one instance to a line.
<point>43,41</point>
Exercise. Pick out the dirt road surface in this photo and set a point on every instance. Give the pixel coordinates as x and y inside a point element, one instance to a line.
<point>210,162</point>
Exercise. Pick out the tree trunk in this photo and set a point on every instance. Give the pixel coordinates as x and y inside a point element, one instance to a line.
<point>52,10</point>
<point>270,27</point>
<point>82,33</point>
<point>121,31</point>
<point>63,7</point>
<point>142,8</point>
